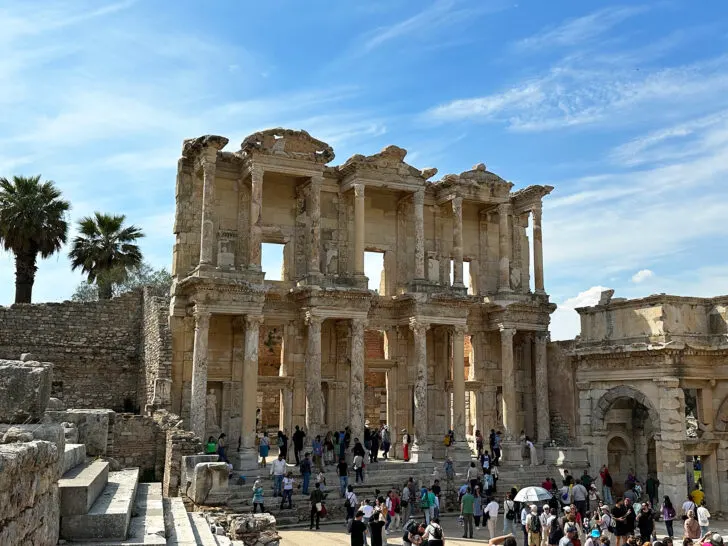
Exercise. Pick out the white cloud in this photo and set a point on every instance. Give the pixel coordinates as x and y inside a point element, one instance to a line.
<point>580,29</point>
<point>565,322</point>
<point>642,275</point>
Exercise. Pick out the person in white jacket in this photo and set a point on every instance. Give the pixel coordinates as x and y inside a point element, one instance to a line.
<point>703,519</point>
<point>278,470</point>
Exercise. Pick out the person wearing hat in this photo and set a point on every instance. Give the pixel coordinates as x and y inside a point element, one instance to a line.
<point>569,535</point>
<point>546,519</point>
<point>593,538</point>
<point>533,526</point>
<point>715,539</point>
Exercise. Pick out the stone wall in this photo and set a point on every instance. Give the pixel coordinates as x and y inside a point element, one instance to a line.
<point>95,347</point>
<point>179,443</point>
<point>138,440</point>
<point>562,392</point>
<point>29,500</point>
<point>157,351</point>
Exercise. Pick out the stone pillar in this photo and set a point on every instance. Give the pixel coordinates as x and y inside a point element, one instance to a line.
<point>286,404</point>
<point>356,389</point>
<point>711,483</point>
<point>543,417</point>
<point>314,252</point>
<point>462,450</point>
<point>457,241</point>
<point>504,242</point>
<point>248,457</point>
<point>198,400</point>
<point>256,210</point>
<point>207,235</point>
<point>510,410</point>
<point>420,448</point>
<point>669,444</point>
<point>538,250</point>
<point>419,202</point>
<point>314,395</point>
<point>359,229</point>
<point>392,384</point>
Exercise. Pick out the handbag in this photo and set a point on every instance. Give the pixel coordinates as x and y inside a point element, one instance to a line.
<point>319,506</point>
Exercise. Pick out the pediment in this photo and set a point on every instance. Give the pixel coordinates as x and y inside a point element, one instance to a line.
<point>288,143</point>
<point>387,163</point>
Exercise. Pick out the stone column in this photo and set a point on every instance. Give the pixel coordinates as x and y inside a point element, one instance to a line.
<point>419,202</point>
<point>356,389</point>
<point>248,457</point>
<point>207,235</point>
<point>504,241</point>
<point>359,229</point>
<point>510,410</point>
<point>286,404</point>
<point>256,210</point>
<point>462,450</point>
<point>538,250</point>
<point>420,448</point>
<point>198,400</point>
<point>314,395</point>
<point>543,416</point>
<point>457,241</point>
<point>314,253</point>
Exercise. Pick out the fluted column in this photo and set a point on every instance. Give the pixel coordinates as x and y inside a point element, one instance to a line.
<point>314,395</point>
<point>359,229</point>
<point>457,241</point>
<point>198,400</point>
<point>504,243</point>
<point>314,255</point>
<point>285,370</point>
<point>419,330</point>
<point>510,411</point>
<point>538,250</point>
<point>543,419</point>
<point>250,379</point>
<point>256,210</point>
<point>356,389</point>
<point>419,205</point>
<point>207,235</point>
<point>458,381</point>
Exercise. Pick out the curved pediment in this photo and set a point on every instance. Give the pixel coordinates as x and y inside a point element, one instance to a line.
<point>288,143</point>
<point>389,160</point>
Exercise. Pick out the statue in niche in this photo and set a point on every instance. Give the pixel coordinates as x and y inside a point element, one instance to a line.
<point>213,420</point>
<point>499,409</point>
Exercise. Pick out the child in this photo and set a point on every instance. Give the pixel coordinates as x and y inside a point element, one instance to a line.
<point>287,490</point>
<point>321,480</point>
<point>258,496</point>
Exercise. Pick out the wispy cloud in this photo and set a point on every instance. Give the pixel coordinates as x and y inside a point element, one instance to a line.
<point>642,275</point>
<point>580,29</point>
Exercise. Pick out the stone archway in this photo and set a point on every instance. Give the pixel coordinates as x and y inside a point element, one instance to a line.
<point>614,394</point>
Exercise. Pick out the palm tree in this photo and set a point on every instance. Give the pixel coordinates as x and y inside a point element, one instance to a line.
<point>32,222</point>
<point>105,250</point>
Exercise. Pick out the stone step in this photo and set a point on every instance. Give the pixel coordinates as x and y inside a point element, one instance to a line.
<point>73,455</point>
<point>201,529</point>
<point>177,523</point>
<point>80,487</point>
<point>110,515</point>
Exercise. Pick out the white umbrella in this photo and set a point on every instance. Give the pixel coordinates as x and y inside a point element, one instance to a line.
<point>532,494</point>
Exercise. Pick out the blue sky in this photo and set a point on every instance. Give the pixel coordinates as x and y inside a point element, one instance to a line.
<point>622,107</point>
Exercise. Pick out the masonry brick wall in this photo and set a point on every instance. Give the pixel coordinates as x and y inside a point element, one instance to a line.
<point>157,346</point>
<point>95,347</point>
<point>138,440</point>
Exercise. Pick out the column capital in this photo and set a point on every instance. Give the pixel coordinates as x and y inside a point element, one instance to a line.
<point>507,332</point>
<point>537,208</point>
<point>541,337</point>
<point>459,329</point>
<point>505,208</point>
<point>457,203</point>
<point>313,321</point>
<point>253,321</point>
<point>317,179</point>
<point>418,197</point>
<point>358,323</point>
<point>358,190</point>
<point>256,173</point>
<point>208,165</point>
<point>201,314</point>
<point>419,327</point>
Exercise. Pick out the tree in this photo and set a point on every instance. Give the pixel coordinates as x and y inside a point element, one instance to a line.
<point>158,281</point>
<point>106,251</point>
<point>32,222</point>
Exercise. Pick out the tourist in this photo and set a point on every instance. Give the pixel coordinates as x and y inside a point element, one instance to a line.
<point>425,504</point>
<point>305,468</point>
<point>490,513</point>
<point>497,448</point>
<point>432,505</point>
<point>687,506</point>
<point>264,449</point>
<point>343,471</point>
<point>508,540</point>
<point>317,500</point>
<point>697,495</point>
<point>606,523</point>
<point>374,448</point>
<point>477,507</point>
<point>593,500</point>
<point>318,452</point>
<point>703,518</point>
<point>278,470</point>
<point>532,451</point>
<point>433,533</point>
<point>405,445</point>
<point>386,442</point>
<point>619,513</point>
<point>358,529</point>
<point>593,538</point>
<point>524,528</point>
<point>586,480</point>
<point>413,533</point>
<point>329,457</point>
<point>282,442</point>
<point>580,496</point>
<point>668,515</point>
<point>509,515</point>
<point>652,485</point>
<point>288,483</point>
<point>437,490</point>
<point>341,442</point>
<point>321,480</point>
<point>570,534</point>
<point>297,438</point>
<point>479,443</point>
<point>221,457</point>
<point>472,476</point>
<point>258,496</point>
<point>358,465</point>
<point>556,532</point>
<point>376,528</point>
<point>607,484</point>
<point>211,446</point>
<point>533,526</point>
<point>350,503</point>
<point>546,519</point>
<point>645,522</point>
<point>631,495</point>
<point>466,511</point>
<point>691,526</point>
<point>394,508</point>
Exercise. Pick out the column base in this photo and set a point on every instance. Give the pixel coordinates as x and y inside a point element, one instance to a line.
<point>511,453</point>
<point>422,285</point>
<point>420,454</point>
<point>246,460</point>
<point>312,279</point>
<point>460,452</point>
<point>459,289</point>
<point>360,281</point>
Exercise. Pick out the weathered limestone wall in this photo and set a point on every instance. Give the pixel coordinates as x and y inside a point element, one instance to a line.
<point>156,379</point>
<point>138,440</point>
<point>179,443</point>
<point>25,388</point>
<point>95,347</point>
<point>29,500</point>
<point>563,398</point>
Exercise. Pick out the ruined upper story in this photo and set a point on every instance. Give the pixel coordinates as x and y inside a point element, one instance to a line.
<point>655,320</point>
<point>279,188</point>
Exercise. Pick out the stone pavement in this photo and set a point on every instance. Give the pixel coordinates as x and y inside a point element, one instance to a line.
<point>335,534</point>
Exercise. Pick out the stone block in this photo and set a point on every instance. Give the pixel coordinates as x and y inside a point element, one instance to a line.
<point>189,462</point>
<point>26,388</point>
<point>210,484</point>
<point>92,425</point>
<point>73,455</point>
<point>81,486</point>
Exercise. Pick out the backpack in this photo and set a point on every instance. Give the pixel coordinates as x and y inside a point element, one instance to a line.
<point>425,501</point>
<point>534,524</point>
<point>556,534</point>
<point>411,527</point>
<point>511,513</point>
<point>437,533</point>
<point>446,441</point>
